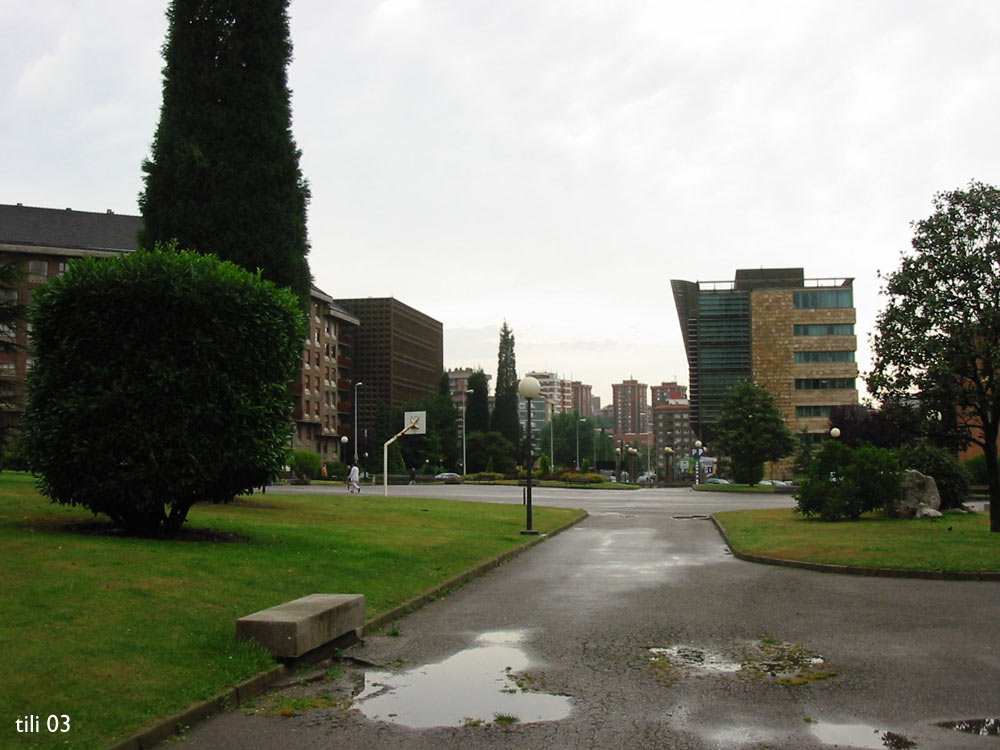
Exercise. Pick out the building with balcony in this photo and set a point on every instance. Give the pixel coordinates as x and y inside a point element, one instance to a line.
<point>630,409</point>
<point>42,241</point>
<point>583,399</point>
<point>557,391</point>
<point>791,334</point>
<point>671,426</point>
<point>324,399</point>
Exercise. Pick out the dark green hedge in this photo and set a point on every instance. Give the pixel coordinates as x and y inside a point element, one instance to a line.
<point>161,379</point>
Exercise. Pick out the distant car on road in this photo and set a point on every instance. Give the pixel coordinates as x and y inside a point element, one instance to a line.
<point>716,480</point>
<point>449,477</point>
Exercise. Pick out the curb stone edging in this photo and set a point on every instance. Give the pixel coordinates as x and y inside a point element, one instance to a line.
<point>855,570</point>
<point>258,685</point>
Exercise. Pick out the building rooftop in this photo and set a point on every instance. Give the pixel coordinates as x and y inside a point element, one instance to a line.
<point>66,228</point>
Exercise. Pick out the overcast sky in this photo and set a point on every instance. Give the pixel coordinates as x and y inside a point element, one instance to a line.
<point>555,163</point>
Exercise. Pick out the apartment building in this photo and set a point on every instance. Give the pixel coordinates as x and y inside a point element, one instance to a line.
<point>671,425</point>
<point>630,408</point>
<point>42,241</point>
<point>583,398</point>
<point>324,401</point>
<point>557,391</point>
<point>789,333</point>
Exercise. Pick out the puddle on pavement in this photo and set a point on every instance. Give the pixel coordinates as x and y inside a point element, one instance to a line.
<point>765,660</point>
<point>696,659</point>
<point>476,684</point>
<point>860,735</point>
<point>982,727</point>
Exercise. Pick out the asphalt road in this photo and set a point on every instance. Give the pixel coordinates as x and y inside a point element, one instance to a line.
<point>637,629</point>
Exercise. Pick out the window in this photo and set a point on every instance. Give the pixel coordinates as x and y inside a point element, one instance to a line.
<point>806,412</point>
<point>840,356</point>
<point>826,298</point>
<point>824,384</point>
<point>38,267</point>
<point>825,329</point>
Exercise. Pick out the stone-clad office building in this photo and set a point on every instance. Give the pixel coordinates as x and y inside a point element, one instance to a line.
<point>791,334</point>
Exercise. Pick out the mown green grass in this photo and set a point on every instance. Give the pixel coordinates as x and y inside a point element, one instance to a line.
<point>958,542</point>
<point>117,632</point>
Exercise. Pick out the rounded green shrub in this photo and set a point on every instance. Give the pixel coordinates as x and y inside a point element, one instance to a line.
<point>841,482</point>
<point>161,379</point>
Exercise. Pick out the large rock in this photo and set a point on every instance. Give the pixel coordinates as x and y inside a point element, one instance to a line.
<point>919,491</point>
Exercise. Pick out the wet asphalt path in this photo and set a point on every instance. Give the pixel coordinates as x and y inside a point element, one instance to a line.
<point>584,609</point>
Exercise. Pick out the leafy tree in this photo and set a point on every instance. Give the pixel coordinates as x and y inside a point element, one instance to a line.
<point>750,431</point>
<point>224,174</point>
<point>939,335</point>
<point>305,464</point>
<point>561,431</point>
<point>477,408</point>
<point>842,482</point>
<point>145,397</point>
<point>505,418</point>
<point>489,451</point>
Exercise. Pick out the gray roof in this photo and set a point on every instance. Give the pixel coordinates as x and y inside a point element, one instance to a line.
<point>65,228</point>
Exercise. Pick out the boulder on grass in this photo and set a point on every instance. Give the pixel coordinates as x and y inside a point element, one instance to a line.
<point>918,490</point>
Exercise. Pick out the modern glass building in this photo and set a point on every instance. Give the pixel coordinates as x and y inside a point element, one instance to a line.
<point>791,334</point>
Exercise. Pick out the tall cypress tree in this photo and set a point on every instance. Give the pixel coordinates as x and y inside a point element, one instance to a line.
<point>505,420</point>
<point>224,173</point>
<point>477,410</point>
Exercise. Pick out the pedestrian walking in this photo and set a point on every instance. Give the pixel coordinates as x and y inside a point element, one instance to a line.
<point>353,477</point>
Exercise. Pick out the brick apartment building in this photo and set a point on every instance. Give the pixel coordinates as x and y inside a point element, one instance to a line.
<point>631,409</point>
<point>324,395</point>
<point>671,424</point>
<point>44,240</point>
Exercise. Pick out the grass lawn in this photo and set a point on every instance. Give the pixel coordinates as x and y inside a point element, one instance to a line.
<point>116,632</point>
<point>957,542</point>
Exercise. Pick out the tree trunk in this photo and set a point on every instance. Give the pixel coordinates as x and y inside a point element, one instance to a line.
<point>992,477</point>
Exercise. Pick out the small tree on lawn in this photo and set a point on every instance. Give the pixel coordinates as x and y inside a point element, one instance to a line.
<point>750,431</point>
<point>161,379</point>
<point>939,335</point>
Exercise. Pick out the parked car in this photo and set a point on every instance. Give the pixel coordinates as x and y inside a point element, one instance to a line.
<point>716,480</point>
<point>449,477</point>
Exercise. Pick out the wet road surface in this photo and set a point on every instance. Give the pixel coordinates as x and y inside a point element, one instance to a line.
<point>637,629</point>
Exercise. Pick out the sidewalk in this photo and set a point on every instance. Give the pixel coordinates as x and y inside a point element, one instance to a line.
<point>642,631</point>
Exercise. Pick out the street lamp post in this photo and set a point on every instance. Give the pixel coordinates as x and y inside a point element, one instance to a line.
<point>528,389</point>
<point>356,385</point>
<point>578,443</point>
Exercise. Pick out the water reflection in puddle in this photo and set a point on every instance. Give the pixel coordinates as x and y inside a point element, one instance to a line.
<point>860,735</point>
<point>696,659</point>
<point>477,683</point>
<point>983,727</point>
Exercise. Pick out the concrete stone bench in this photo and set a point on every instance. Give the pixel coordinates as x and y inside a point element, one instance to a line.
<point>296,627</point>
